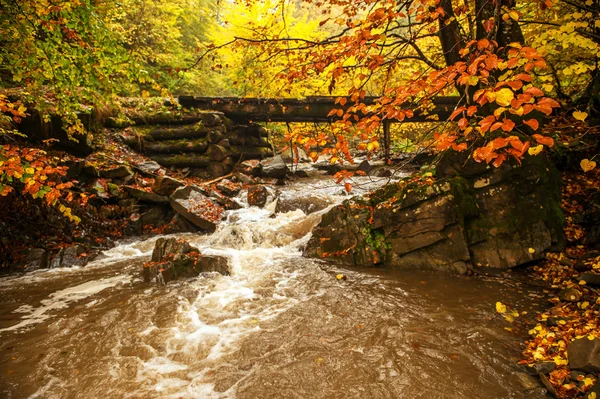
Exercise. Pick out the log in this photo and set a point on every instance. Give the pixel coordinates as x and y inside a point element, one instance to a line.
<point>198,146</point>
<point>179,132</point>
<point>214,136</point>
<point>182,160</point>
<point>217,169</point>
<point>218,153</point>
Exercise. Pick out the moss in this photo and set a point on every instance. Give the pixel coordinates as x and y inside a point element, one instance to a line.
<point>465,198</point>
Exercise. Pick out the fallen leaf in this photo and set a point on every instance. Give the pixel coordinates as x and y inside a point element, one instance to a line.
<point>587,165</point>
<point>500,307</point>
<point>580,116</point>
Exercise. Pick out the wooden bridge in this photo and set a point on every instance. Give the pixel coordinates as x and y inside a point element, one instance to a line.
<point>309,109</point>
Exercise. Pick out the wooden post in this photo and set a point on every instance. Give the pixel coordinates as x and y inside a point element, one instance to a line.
<point>387,141</point>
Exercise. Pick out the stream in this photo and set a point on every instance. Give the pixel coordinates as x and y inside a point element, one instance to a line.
<point>281,326</point>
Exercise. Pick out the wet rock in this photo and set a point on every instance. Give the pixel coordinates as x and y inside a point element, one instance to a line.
<point>590,278</point>
<point>202,211</point>
<point>301,174</point>
<point>584,354</point>
<point>119,172</point>
<point>251,167</point>
<point>546,382</point>
<point>541,367</point>
<point>274,167</point>
<point>242,179</point>
<point>570,295</point>
<point>165,185</point>
<point>35,258</point>
<point>532,386</point>
<point>229,188</point>
<point>133,227</point>
<point>156,216</point>
<point>74,256</point>
<point>173,259</point>
<point>179,224</point>
<point>57,259</point>
<point>257,195</point>
<point>384,172</point>
<point>146,196</point>
<point>307,204</point>
<point>470,217</point>
<point>365,167</point>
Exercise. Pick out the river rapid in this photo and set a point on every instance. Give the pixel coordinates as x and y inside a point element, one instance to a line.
<point>281,326</point>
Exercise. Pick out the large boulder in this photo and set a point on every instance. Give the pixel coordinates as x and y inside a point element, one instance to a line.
<point>257,195</point>
<point>173,259</point>
<point>34,259</point>
<point>584,354</point>
<point>165,185</point>
<point>274,167</point>
<point>146,196</point>
<point>472,216</point>
<point>196,207</point>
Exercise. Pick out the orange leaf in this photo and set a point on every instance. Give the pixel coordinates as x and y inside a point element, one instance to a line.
<point>544,140</point>
<point>533,123</point>
<point>348,187</point>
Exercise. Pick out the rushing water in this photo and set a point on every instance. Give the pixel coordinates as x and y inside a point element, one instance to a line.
<point>281,326</point>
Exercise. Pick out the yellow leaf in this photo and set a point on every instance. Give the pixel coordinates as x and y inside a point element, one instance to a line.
<point>580,116</point>
<point>592,395</point>
<point>588,381</point>
<point>582,282</point>
<point>500,307</point>
<point>531,250</point>
<point>587,165</point>
<point>514,15</point>
<point>30,171</point>
<point>340,276</point>
<point>534,151</point>
<point>504,96</point>
<point>584,304</point>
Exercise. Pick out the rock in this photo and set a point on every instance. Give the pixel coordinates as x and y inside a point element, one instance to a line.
<point>546,382</point>
<point>541,367</point>
<point>179,224</point>
<point>74,256</point>
<point>146,196</point>
<point>149,168</point>
<point>593,393</point>
<point>590,278</point>
<point>229,188</point>
<point>57,259</point>
<point>250,167</point>
<point>98,189</point>
<point>307,204</point>
<point>165,185</point>
<point>257,195</point>
<point>497,217</point>
<point>118,172</point>
<point>584,354</point>
<point>113,189</point>
<point>365,167</point>
<point>190,203</point>
<point>134,226</point>
<point>274,167</point>
<point>301,174</point>
<point>90,170</point>
<point>570,295</point>
<point>156,216</point>
<point>173,259</point>
<point>591,221</point>
<point>242,179</point>
<point>384,172</point>
<point>35,258</point>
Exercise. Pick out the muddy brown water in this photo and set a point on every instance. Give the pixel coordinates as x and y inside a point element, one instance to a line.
<point>281,326</point>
